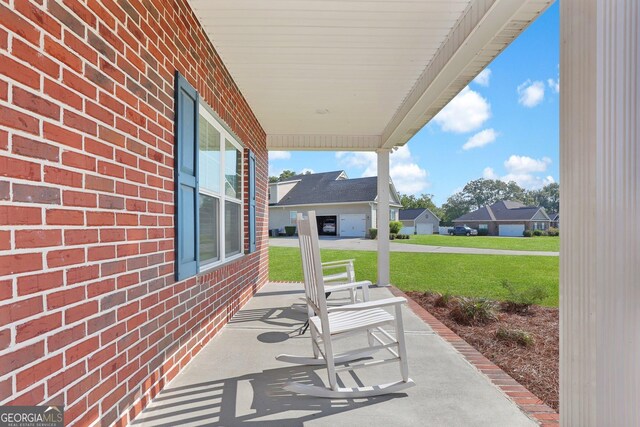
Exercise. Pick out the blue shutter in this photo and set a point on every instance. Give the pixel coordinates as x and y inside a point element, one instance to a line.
<point>252,202</point>
<point>186,150</point>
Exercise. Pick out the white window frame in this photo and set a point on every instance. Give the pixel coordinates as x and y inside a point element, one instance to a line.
<point>221,194</point>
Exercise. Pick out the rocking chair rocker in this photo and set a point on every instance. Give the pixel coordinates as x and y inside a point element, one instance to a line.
<point>331,323</point>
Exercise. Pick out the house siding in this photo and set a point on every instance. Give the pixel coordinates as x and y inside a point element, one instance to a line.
<point>493,226</point>
<point>279,215</point>
<point>91,316</point>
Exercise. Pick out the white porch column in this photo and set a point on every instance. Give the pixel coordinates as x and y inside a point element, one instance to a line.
<point>600,210</point>
<point>383,218</point>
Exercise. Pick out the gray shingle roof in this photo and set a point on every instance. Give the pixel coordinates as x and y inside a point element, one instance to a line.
<point>410,214</point>
<point>506,210</point>
<point>320,188</point>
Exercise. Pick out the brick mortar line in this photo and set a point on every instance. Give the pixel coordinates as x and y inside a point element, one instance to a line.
<point>492,372</point>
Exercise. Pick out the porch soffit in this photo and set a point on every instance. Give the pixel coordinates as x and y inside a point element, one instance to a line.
<point>356,75</point>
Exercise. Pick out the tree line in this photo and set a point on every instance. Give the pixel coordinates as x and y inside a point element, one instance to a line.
<point>483,192</point>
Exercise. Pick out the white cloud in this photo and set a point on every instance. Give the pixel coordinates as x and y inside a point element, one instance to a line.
<point>554,85</point>
<point>524,171</point>
<point>279,155</point>
<point>406,174</point>
<point>466,112</point>
<point>483,77</point>
<point>489,173</point>
<point>480,139</point>
<point>531,93</point>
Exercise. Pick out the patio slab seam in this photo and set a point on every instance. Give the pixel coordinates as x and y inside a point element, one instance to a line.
<point>528,403</point>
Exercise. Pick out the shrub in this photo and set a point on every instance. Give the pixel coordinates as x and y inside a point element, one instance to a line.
<point>483,232</point>
<point>290,230</point>
<point>395,227</point>
<point>527,233</point>
<point>392,236</point>
<point>519,301</point>
<point>553,231</point>
<point>443,300</point>
<point>402,236</point>
<point>473,311</point>
<point>517,336</point>
<point>373,233</point>
<point>537,232</point>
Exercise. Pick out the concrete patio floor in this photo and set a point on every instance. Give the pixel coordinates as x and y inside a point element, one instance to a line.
<point>236,380</point>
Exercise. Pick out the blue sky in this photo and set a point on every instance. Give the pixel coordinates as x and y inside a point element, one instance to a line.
<point>504,125</point>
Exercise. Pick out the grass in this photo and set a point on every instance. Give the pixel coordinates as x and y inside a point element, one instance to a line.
<point>539,243</point>
<point>457,274</point>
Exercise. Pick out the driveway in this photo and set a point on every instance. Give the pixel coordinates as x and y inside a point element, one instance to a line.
<point>358,244</point>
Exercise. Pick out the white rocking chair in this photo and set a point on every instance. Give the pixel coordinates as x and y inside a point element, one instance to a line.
<point>330,323</point>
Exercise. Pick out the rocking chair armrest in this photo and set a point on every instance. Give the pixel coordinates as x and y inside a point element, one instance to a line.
<point>334,264</point>
<point>344,286</point>
<point>369,304</point>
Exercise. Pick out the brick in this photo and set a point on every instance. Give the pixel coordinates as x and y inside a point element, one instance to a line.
<point>98,323</point>
<point>110,169</point>
<point>110,202</point>
<point>79,198</point>
<point>41,325</point>
<point>80,122</point>
<point>38,238</point>
<point>80,237</point>
<point>62,54</point>
<point>99,183</point>
<point>31,148</point>
<point>66,377</point>
<point>35,103</point>
<point>98,148</point>
<point>101,253</point>
<point>100,288</point>
<point>18,215</point>
<point>79,312</point>
<point>28,54</point>
<point>111,268</point>
<point>100,218</point>
<point>4,135</point>
<point>16,168</point>
<point>21,309</point>
<point>11,362</point>
<point>82,274</point>
<point>126,219</point>
<point>78,46</point>
<point>78,160</point>
<point>15,23</point>
<point>36,194</point>
<point>65,297</point>
<point>82,388</point>
<point>64,217</point>
<point>65,337</point>
<point>40,18</point>
<point>99,113</point>
<point>73,81</point>
<point>61,135</point>
<point>38,372</point>
<point>20,263</point>
<point>17,119</point>
<point>112,235</point>
<point>101,46</point>
<point>5,240</point>
<point>65,177</point>
<point>39,282</point>
<point>67,19</point>
<point>29,398</point>
<point>65,257</point>
<point>5,339</point>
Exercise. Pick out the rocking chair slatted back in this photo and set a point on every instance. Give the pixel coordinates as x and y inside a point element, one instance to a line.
<point>311,264</point>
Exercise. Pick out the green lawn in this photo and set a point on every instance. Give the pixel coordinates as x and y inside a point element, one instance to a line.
<point>468,275</point>
<point>540,243</point>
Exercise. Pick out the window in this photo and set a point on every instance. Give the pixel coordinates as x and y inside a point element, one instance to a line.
<point>483,226</point>
<point>293,217</point>
<point>209,186</point>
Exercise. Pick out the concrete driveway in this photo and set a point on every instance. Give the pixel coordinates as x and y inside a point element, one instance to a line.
<point>358,244</point>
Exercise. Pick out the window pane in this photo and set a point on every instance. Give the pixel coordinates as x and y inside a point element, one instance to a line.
<point>209,207</point>
<point>209,156</point>
<point>232,170</point>
<point>231,228</point>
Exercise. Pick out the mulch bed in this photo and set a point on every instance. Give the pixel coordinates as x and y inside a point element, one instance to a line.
<point>535,367</point>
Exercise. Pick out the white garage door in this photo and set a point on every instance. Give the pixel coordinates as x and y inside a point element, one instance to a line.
<point>352,225</point>
<point>424,228</point>
<point>513,230</point>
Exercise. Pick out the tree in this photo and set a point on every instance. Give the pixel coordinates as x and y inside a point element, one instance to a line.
<point>283,176</point>
<point>412,202</point>
<point>456,205</point>
<point>483,192</point>
<point>548,197</point>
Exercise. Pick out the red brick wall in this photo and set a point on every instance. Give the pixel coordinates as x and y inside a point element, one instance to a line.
<point>90,314</point>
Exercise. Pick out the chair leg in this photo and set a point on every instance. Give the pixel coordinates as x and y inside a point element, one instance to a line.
<point>331,366</point>
<point>314,334</point>
<point>402,349</point>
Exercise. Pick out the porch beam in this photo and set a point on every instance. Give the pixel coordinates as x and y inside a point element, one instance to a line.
<point>600,202</point>
<point>323,142</point>
<point>383,218</point>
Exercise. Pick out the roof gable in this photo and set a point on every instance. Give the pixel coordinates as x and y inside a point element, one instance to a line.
<point>504,210</point>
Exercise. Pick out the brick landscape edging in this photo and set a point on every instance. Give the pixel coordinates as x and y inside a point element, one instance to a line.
<point>513,390</point>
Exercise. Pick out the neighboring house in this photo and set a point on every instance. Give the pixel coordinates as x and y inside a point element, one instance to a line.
<point>555,219</point>
<point>344,207</point>
<point>419,221</point>
<point>506,218</point>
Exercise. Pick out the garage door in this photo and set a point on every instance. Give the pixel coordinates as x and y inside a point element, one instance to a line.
<point>513,230</point>
<point>352,225</point>
<point>424,228</point>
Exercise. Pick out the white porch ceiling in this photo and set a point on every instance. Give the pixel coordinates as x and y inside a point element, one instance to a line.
<point>356,74</point>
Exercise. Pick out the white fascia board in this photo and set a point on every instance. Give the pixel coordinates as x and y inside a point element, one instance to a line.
<point>485,29</point>
<point>323,142</point>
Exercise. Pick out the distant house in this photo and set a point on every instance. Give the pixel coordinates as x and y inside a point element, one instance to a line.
<point>344,207</point>
<point>555,219</point>
<point>419,221</point>
<point>506,218</point>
